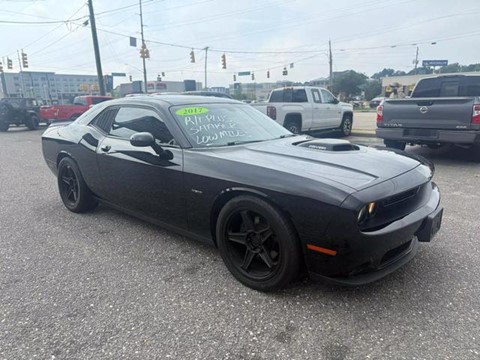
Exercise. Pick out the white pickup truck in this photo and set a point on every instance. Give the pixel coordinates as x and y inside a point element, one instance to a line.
<point>306,108</point>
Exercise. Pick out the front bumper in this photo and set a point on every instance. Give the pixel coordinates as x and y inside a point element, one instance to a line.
<point>429,136</point>
<point>372,255</point>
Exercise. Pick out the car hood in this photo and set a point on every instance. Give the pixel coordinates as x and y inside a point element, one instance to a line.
<point>305,157</point>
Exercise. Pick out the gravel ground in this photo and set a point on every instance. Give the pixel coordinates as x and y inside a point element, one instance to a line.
<point>108,286</point>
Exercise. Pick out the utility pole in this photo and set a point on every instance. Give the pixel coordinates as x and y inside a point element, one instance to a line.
<point>206,52</point>
<point>416,61</point>
<point>96,49</point>
<point>143,47</point>
<point>330,79</point>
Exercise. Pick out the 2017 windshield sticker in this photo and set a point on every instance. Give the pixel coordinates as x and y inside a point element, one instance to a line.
<point>196,110</point>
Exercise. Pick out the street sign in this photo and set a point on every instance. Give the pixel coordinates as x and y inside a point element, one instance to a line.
<point>434,63</point>
<point>119,74</point>
<point>244,73</point>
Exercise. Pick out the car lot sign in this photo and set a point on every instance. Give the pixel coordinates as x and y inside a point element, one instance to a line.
<point>434,63</point>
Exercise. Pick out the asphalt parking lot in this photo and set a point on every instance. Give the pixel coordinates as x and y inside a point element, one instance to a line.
<point>108,286</point>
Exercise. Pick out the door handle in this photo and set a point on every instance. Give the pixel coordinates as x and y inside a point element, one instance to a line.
<point>106,148</point>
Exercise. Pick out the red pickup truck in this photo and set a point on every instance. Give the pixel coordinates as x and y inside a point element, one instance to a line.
<point>52,113</point>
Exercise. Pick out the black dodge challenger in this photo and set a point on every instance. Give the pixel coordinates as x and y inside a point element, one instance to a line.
<point>275,204</point>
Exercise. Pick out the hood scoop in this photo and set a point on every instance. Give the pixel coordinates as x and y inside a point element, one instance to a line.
<point>335,145</point>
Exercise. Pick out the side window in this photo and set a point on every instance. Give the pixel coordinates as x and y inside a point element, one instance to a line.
<point>130,120</point>
<point>103,120</point>
<point>98,100</point>
<point>299,96</point>
<point>327,97</point>
<point>316,96</point>
<point>276,96</point>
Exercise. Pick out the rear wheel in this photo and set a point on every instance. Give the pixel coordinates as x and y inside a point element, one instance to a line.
<point>257,244</point>
<point>400,145</point>
<point>75,194</point>
<point>32,122</point>
<point>293,126</point>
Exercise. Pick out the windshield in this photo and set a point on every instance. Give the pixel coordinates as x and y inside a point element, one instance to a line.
<point>208,125</point>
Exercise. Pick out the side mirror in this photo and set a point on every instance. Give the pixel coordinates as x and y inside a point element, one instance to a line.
<point>142,139</point>
<point>335,101</point>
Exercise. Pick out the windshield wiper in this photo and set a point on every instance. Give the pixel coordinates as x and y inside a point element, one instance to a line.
<point>242,142</point>
<point>287,135</point>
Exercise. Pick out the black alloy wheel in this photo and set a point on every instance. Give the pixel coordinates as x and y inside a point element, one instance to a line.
<point>257,244</point>
<point>74,192</point>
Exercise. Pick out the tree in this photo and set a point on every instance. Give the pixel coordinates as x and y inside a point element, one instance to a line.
<point>348,83</point>
<point>383,73</point>
<point>372,89</point>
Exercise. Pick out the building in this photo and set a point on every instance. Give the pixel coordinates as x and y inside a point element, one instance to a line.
<point>49,86</point>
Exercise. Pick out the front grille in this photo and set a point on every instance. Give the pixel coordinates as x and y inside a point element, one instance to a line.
<point>400,197</point>
<point>392,254</point>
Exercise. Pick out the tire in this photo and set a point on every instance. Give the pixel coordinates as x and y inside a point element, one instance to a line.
<point>4,126</point>
<point>400,145</point>
<point>293,126</point>
<point>258,244</point>
<point>346,125</point>
<point>75,194</point>
<point>32,122</point>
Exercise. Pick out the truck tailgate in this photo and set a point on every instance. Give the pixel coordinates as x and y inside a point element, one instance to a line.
<point>435,113</point>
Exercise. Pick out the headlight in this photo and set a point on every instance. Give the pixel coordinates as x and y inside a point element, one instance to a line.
<point>366,212</point>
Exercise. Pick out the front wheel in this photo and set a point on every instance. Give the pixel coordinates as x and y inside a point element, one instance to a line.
<point>258,244</point>
<point>32,122</point>
<point>400,145</point>
<point>346,126</point>
<point>75,194</point>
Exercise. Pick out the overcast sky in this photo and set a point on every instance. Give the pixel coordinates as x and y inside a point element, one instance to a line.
<point>366,36</point>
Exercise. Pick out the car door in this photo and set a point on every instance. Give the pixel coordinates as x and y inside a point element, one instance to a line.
<point>138,178</point>
<point>321,111</point>
<point>333,111</point>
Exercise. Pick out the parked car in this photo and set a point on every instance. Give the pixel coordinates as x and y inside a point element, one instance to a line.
<point>19,111</point>
<point>376,101</point>
<point>306,108</point>
<point>208,93</point>
<point>272,202</point>
<point>52,113</point>
<point>442,110</point>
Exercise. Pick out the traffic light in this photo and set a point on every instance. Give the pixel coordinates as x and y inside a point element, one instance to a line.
<point>9,64</point>
<point>192,56</point>
<point>159,78</point>
<point>24,60</point>
<point>268,74</point>
<point>224,61</point>
<point>285,71</point>
<point>1,67</point>
<point>130,78</point>
<point>253,76</point>
<point>234,77</point>
<point>163,73</point>
<point>144,52</point>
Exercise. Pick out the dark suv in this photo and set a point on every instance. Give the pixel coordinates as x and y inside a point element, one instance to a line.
<point>19,111</point>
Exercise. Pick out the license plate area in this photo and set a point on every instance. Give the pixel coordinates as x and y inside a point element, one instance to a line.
<point>421,133</point>
<point>431,226</point>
